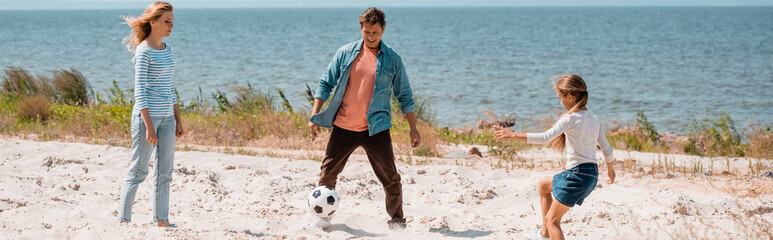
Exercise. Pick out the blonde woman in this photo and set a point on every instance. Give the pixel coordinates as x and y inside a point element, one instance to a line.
<point>155,118</point>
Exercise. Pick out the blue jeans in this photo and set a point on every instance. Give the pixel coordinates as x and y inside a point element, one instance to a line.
<point>138,168</point>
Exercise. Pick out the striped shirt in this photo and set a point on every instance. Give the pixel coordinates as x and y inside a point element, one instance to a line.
<point>153,85</point>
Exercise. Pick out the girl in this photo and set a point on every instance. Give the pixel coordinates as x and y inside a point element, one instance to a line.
<point>155,117</point>
<point>580,131</point>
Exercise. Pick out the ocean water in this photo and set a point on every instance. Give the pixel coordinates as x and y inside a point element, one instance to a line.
<point>673,63</point>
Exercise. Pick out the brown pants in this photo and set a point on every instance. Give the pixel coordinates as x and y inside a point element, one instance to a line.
<point>379,149</point>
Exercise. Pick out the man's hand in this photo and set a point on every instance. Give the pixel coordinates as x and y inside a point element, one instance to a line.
<point>415,138</point>
<point>313,129</point>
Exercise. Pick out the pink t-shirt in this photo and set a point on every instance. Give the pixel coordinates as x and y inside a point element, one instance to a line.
<point>353,114</point>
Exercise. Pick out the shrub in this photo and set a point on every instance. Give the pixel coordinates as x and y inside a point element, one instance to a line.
<point>285,103</point>
<point>223,105</point>
<point>121,97</point>
<point>642,137</point>
<point>423,110</point>
<point>250,100</point>
<point>760,142</point>
<point>18,80</point>
<point>72,87</point>
<point>645,127</point>
<point>715,135</point>
<point>34,107</point>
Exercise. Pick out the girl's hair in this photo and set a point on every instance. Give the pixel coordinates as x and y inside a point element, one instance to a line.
<point>141,25</point>
<point>570,84</point>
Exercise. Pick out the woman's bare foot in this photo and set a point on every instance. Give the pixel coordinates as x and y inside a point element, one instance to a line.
<point>163,224</point>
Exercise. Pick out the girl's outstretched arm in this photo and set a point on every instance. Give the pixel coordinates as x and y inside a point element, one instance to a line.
<point>563,123</point>
<point>538,138</point>
<point>508,134</point>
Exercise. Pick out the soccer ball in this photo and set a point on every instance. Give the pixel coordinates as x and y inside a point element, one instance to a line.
<point>323,201</point>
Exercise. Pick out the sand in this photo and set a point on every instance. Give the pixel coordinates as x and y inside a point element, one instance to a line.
<point>59,190</point>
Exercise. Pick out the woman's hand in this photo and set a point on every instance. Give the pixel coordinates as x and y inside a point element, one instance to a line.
<point>150,131</point>
<point>178,122</point>
<point>179,131</point>
<point>151,137</point>
<point>503,133</point>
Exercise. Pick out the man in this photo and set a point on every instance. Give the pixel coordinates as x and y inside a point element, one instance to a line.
<point>364,74</point>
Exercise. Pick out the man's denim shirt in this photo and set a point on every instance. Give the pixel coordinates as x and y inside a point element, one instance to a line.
<point>390,77</point>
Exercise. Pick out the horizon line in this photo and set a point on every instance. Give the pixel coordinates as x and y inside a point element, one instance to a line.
<point>4,8</point>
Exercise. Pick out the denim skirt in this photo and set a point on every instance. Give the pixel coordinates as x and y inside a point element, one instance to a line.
<point>572,186</point>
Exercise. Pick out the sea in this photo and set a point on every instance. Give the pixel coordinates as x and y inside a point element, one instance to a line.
<point>675,64</point>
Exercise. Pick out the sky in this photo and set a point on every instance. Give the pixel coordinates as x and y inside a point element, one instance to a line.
<point>141,4</point>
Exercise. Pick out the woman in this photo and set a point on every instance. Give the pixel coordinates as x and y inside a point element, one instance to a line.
<point>155,118</point>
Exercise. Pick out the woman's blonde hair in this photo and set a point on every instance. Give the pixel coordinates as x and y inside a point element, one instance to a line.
<point>141,25</point>
<point>570,84</point>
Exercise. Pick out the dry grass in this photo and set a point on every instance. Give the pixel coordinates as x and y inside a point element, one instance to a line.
<point>34,108</point>
<point>760,142</point>
<point>401,136</point>
<point>255,118</point>
<point>229,129</point>
<point>261,127</point>
<point>66,86</point>
<point>72,87</point>
<point>19,81</point>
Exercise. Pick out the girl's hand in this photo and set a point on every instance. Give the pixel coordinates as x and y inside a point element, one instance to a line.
<point>503,133</point>
<point>611,173</point>
<point>151,137</point>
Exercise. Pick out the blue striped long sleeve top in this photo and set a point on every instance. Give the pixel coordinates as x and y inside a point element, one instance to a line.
<point>153,85</point>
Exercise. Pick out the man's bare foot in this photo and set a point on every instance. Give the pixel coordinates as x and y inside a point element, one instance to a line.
<point>163,224</point>
<point>122,222</point>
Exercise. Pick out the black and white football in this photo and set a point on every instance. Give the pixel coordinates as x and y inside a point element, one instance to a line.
<point>323,201</point>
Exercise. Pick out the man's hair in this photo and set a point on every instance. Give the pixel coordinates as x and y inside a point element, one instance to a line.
<point>372,16</point>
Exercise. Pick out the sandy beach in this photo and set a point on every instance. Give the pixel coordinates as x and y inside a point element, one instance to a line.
<point>59,190</point>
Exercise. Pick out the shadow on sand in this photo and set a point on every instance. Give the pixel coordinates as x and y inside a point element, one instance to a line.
<point>356,232</point>
<point>464,234</point>
<point>248,232</point>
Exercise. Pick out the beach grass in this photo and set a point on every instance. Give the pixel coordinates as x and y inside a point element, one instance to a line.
<point>641,136</point>
<point>63,107</point>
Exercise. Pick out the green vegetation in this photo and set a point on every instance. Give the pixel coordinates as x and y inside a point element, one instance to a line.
<point>63,106</point>
<point>715,135</point>
<point>642,137</point>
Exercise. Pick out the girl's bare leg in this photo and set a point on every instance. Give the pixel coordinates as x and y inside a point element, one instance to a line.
<point>545,188</point>
<point>553,220</point>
